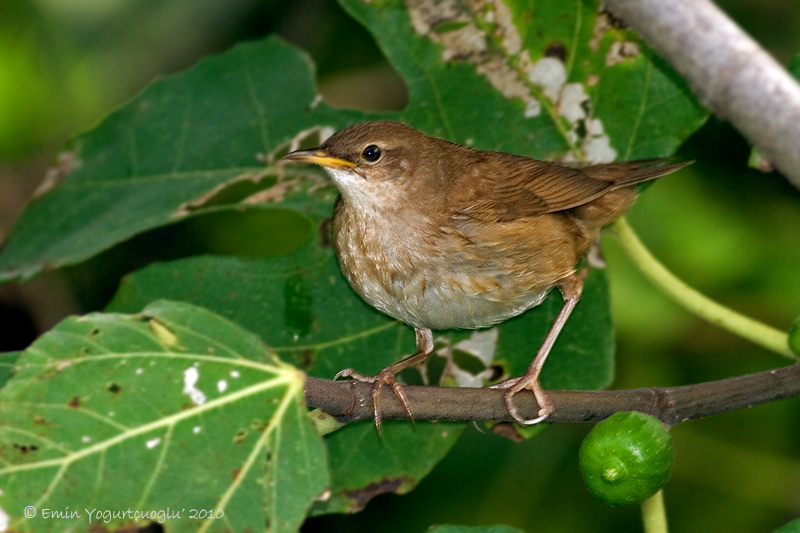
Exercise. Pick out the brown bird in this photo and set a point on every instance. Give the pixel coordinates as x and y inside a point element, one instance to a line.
<point>442,236</point>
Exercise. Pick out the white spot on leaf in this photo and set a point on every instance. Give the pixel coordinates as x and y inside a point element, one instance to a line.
<point>621,51</point>
<point>533,109</point>
<point>572,98</point>
<point>549,74</point>
<point>467,379</point>
<point>482,344</point>
<point>512,40</point>
<point>66,162</point>
<point>190,377</point>
<point>599,150</point>
<point>152,443</point>
<point>457,26</point>
<point>222,385</point>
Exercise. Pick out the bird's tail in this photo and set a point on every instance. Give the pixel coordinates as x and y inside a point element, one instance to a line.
<point>632,172</point>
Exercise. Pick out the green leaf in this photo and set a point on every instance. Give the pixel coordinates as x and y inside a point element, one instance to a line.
<point>169,153</point>
<point>791,527</point>
<point>7,362</point>
<point>296,469</point>
<point>173,408</point>
<point>794,67</point>
<point>364,466</point>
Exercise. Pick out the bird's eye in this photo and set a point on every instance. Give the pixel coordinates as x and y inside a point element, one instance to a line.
<point>371,153</point>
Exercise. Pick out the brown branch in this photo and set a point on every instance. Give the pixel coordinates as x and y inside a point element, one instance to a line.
<point>349,401</point>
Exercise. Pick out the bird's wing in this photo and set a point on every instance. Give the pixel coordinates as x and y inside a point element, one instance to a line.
<point>510,187</point>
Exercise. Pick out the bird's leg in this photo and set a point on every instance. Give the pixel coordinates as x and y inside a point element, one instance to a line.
<point>386,376</point>
<point>570,288</point>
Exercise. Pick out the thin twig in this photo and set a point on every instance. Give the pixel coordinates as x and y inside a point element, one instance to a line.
<point>744,326</point>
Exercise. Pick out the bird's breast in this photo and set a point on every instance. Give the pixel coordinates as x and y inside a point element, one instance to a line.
<point>424,275</point>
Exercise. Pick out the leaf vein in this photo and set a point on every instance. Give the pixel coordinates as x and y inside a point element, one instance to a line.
<point>286,379</point>
<point>641,111</point>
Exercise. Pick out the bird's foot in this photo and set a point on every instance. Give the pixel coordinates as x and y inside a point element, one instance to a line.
<point>515,385</point>
<point>384,377</point>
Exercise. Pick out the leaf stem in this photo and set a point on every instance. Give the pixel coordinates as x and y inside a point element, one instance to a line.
<point>744,326</point>
<point>654,516</point>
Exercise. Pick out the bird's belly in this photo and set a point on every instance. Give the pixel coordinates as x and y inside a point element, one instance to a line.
<point>451,308</point>
<point>444,300</point>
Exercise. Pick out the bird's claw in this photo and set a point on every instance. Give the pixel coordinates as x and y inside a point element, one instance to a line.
<point>384,377</point>
<point>515,385</point>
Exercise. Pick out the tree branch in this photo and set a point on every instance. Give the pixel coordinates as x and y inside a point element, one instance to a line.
<point>730,72</point>
<point>350,401</point>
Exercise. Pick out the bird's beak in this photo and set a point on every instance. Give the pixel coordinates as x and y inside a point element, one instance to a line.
<point>320,157</point>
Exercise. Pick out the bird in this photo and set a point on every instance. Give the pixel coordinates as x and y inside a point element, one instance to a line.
<point>442,236</point>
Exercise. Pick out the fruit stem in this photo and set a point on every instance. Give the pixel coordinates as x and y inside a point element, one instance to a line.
<point>744,326</point>
<point>654,517</point>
